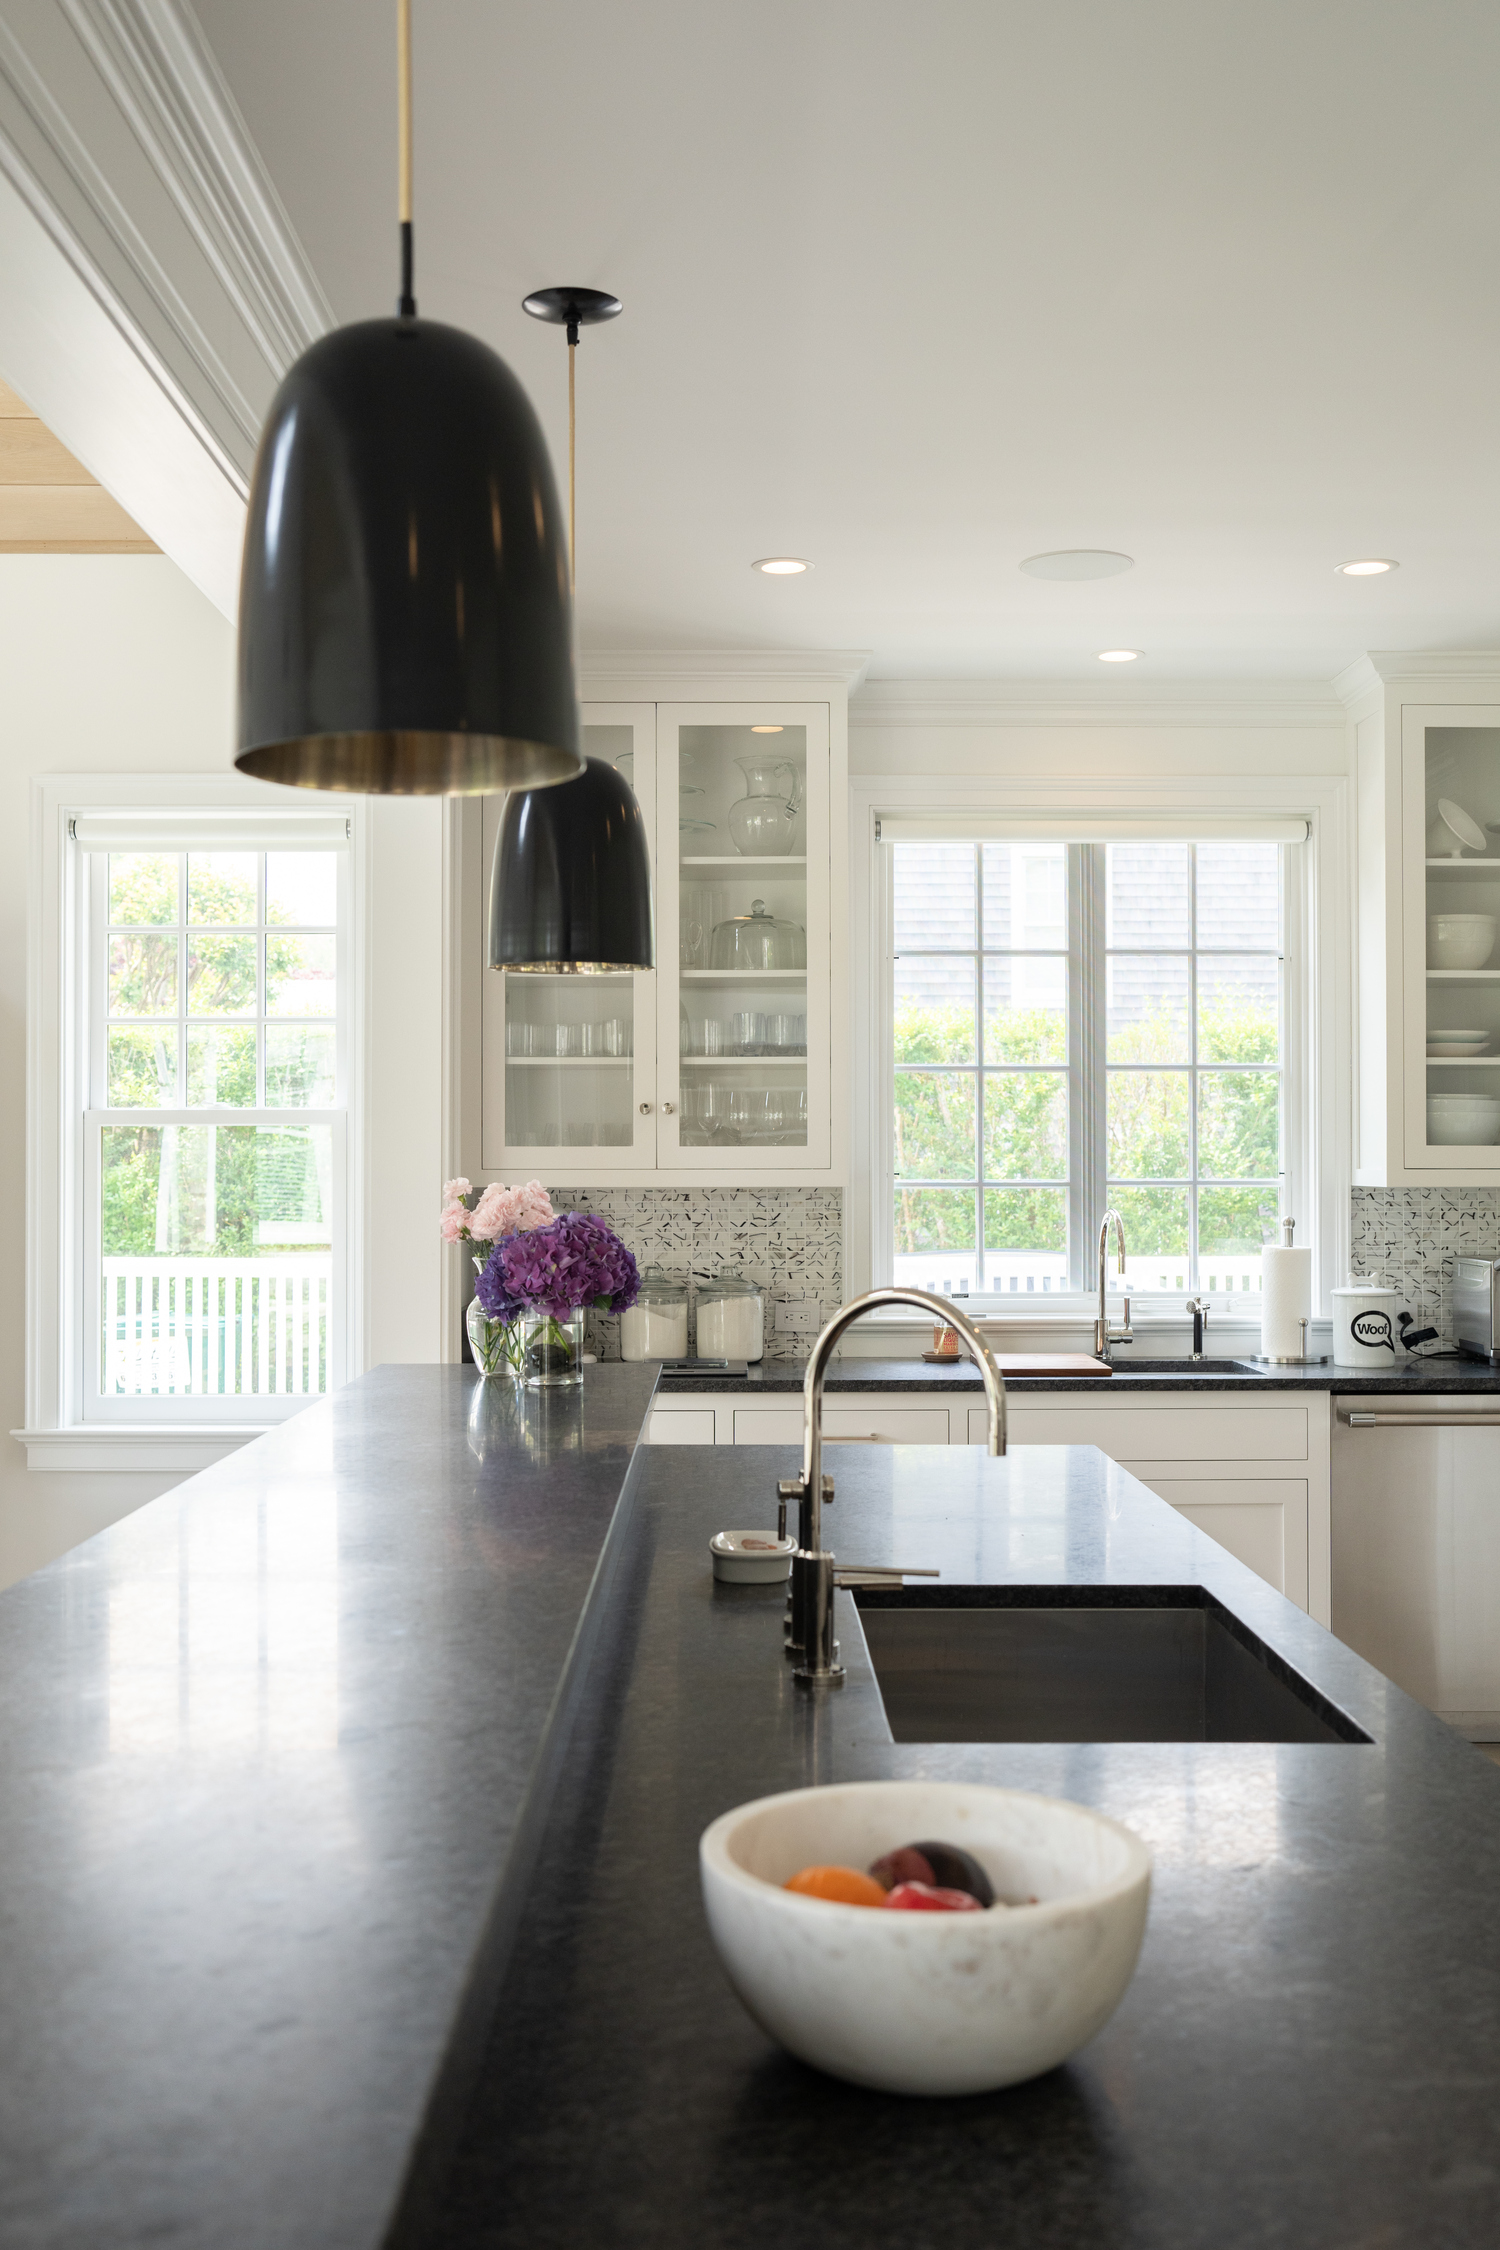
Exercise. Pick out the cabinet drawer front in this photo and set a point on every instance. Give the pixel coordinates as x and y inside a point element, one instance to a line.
<point>1261,1520</point>
<point>690,1426</point>
<point>1160,1433</point>
<point>875,1422</point>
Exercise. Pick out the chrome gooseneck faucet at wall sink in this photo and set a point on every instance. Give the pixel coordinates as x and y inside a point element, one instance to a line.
<point>810,1617</point>
<point>1104,1335</point>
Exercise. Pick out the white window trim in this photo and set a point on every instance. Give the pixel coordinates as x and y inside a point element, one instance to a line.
<point>1318,1150</point>
<point>57,1435</point>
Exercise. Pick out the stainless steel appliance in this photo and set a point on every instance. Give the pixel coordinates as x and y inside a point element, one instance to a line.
<point>1416,1547</point>
<point>1476,1307</point>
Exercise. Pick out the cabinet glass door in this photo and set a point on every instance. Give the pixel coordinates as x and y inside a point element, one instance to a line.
<point>574,1054</point>
<point>743,1030</point>
<point>1453,791</point>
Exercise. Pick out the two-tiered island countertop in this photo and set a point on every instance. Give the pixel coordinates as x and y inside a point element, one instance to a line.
<point>350,1796</point>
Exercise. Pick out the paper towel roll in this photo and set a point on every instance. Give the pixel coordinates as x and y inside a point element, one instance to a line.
<point>1285,1301</point>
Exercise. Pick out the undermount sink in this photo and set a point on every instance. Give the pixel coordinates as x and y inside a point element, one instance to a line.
<point>1116,1664</point>
<point>1125,1364</point>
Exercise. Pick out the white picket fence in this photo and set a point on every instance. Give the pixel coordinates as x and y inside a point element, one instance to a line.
<point>215,1327</point>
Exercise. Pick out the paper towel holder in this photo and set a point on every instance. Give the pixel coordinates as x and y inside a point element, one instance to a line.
<point>1298,1359</point>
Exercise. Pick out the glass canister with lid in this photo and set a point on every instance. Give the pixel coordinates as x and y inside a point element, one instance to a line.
<point>758,940</point>
<point>731,1318</point>
<point>656,1325</point>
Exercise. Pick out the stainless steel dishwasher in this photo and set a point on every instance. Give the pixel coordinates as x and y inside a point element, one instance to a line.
<point>1416,1549</point>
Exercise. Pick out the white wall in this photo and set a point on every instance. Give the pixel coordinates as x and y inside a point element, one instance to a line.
<point>116,664</point>
<point>1032,731</point>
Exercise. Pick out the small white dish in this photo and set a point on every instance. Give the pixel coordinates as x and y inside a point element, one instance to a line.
<point>751,1558</point>
<point>928,2003</point>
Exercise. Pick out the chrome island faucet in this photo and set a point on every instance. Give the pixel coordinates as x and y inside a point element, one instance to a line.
<point>1104,1335</point>
<point>813,1574</point>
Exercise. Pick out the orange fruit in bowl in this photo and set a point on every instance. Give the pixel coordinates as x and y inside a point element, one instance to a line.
<point>843,1886</point>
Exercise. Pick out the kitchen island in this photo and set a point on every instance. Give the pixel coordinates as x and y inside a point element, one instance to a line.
<point>350,1798</point>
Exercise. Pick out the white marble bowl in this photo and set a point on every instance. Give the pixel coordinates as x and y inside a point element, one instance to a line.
<point>751,1558</point>
<point>928,2003</point>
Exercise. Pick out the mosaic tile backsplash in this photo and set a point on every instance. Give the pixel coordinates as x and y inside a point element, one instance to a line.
<point>1408,1238</point>
<point>790,1240</point>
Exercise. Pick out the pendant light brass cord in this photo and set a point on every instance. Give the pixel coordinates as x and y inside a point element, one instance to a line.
<point>572,440</point>
<point>408,303</point>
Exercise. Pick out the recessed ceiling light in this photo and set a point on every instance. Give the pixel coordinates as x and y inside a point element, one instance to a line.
<point>1077,562</point>
<point>1375,567</point>
<point>781,566</point>
<point>1118,655</point>
<point>766,730</point>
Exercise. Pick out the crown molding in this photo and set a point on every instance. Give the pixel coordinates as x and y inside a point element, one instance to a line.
<point>687,669</point>
<point>166,292</point>
<point>1297,704</point>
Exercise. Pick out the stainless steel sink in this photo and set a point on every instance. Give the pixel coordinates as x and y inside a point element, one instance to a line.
<point>1116,1664</point>
<point>1126,1364</point>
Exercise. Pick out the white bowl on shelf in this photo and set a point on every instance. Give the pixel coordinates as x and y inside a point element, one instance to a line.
<point>928,2003</point>
<point>1451,831</point>
<point>1459,941</point>
<point>1463,1120</point>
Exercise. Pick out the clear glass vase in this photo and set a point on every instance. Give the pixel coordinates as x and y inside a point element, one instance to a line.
<point>550,1351</point>
<point>493,1342</point>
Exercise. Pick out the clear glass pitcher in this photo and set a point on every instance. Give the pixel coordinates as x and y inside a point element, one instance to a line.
<point>762,822</point>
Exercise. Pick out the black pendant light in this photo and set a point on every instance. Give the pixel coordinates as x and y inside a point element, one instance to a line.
<point>405,602</point>
<point>571,885</point>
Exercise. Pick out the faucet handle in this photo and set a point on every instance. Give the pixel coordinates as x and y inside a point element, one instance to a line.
<point>790,1488</point>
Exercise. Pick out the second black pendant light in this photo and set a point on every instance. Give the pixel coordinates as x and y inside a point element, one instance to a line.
<point>570,889</point>
<point>405,602</point>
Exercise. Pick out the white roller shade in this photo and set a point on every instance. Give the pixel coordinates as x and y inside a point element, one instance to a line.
<point>1071,828</point>
<point>174,832</point>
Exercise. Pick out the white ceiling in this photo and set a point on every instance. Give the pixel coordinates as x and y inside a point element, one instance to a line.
<point>917,291</point>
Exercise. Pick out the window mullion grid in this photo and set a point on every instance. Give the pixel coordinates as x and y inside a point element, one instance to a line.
<point>1087,1138</point>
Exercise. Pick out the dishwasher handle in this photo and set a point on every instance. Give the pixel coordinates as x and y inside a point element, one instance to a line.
<point>1357,1420</point>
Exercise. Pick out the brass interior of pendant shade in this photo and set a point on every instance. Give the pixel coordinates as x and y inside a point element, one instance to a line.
<point>410,764</point>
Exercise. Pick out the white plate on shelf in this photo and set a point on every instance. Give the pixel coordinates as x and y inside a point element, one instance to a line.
<point>1457,1042</point>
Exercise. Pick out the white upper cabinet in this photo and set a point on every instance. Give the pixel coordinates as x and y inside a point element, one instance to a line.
<point>1427,849</point>
<point>722,1066</point>
<point>1451,922</point>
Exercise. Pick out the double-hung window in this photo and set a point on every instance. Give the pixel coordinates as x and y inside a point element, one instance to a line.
<point>1075,1027</point>
<point>213,1057</point>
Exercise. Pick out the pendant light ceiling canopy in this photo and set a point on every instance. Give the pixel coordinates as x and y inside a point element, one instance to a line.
<point>406,603</point>
<point>570,889</point>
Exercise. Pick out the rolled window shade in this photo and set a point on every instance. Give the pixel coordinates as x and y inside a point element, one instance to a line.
<point>186,832</point>
<point>1073,828</point>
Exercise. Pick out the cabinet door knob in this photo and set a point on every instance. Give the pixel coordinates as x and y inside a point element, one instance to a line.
<point>666,1109</point>
<point>645,1109</point>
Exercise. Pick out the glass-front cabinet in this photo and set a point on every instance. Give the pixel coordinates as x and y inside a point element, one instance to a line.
<point>1451,812</point>
<point>718,1062</point>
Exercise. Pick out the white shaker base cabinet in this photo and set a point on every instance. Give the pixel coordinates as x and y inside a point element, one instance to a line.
<point>1416,1558</point>
<point>1252,1472</point>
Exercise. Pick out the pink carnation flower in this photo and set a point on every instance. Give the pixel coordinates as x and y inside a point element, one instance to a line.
<point>519,1210</point>
<point>453,1221</point>
<point>454,1189</point>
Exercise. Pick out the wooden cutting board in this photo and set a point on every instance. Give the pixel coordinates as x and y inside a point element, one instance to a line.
<point>1030,1363</point>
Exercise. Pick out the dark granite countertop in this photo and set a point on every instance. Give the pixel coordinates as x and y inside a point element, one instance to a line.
<point>276,1755</point>
<point>1308,2058</point>
<point>1414,1377</point>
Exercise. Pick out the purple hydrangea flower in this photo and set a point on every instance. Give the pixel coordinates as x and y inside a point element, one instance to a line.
<point>577,1261</point>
